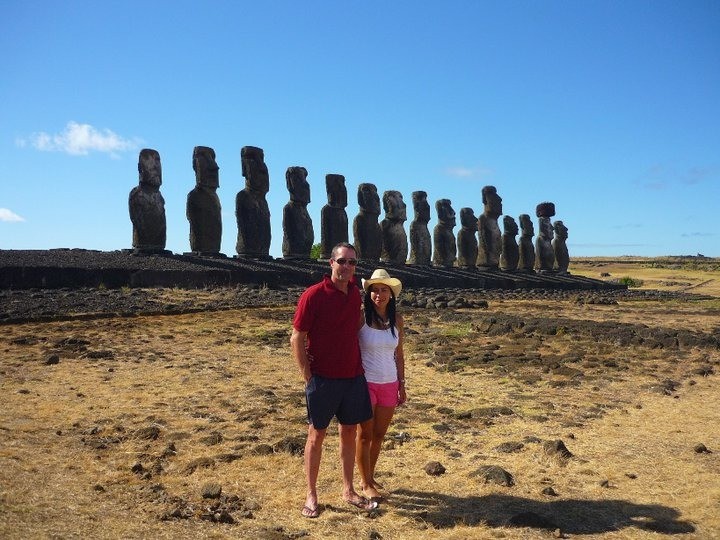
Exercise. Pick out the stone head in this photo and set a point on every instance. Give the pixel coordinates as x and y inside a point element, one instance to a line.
<point>445,212</point>
<point>467,218</point>
<point>394,206</point>
<point>561,231</point>
<point>421,206</point>
<point>336,190</point>
<point>492,201</point>
<point>149,168</point>
<point>254,169</point>
<point>205,167</point>
<point>368,198</point>
<point>297,184</point>
<point>510,226</point>
<point>546,228</point>
<point>526,224</point>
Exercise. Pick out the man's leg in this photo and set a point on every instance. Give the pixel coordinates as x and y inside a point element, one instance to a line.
<point>347,457</point>
<point>313,454</point>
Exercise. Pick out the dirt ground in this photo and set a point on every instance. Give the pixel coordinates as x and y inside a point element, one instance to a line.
<point>561,418</point>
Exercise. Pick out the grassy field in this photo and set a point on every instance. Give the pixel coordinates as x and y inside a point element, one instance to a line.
<point>191,426</point>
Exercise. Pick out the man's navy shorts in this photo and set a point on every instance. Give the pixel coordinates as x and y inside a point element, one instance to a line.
<point>347,399</point>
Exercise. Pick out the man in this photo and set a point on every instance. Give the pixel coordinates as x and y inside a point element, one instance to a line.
<point>325,345</point>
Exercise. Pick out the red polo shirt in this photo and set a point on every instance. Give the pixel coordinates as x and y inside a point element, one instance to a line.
<point>331,317</point>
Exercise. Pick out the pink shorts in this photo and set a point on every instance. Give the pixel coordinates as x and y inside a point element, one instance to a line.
<point>384,394</point>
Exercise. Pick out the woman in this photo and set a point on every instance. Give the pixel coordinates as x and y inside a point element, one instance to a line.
<point>381,349</point>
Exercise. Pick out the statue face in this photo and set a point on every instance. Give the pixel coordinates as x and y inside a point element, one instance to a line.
<point>150,168</point>
<point>206,170</point>
<point>297,185</point>
<point>446,214</point>
<point>510,226</point>
<point>493,204</point>
<point>526,225</point>
<point>336,191</point>
<point>467,218</point>
<point>395,207</point>
<point>546,228</point>
<point>368,198</point>
<point>256,175</point>
<point>421,206</point>
<point>561,230</point>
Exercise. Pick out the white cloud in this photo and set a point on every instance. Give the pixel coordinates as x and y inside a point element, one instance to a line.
<point>81,139</point>
<point>468,172</point>
<point>9,215</point>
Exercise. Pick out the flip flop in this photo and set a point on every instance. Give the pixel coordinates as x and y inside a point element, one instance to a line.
<point>310,513</point>
<point>363,504</point>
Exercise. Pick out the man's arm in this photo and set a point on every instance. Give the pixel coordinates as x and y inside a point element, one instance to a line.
<point>297,344</point>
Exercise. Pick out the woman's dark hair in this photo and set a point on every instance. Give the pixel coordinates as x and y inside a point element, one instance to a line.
<point>371,315</point>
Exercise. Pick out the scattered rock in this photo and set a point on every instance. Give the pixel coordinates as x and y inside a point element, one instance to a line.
<point>214,438</point>
<point>549,491</point>
<point>149,433</point>
<point>211,491</point>
<point>52,360</point>
<point>557,448</point>
<point>199,463</point>
<point>700,448</point>
<point>509,447</point>
<point>292,445</point>
<point>434,468</point>
<point>492,474</point>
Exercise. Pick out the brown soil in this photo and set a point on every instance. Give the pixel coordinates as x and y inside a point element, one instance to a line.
<point>187,423</point>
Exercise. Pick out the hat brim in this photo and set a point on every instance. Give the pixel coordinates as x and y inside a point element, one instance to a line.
<point>394,283</point>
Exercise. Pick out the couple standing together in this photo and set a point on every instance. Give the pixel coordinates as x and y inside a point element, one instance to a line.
<point>352,362</point>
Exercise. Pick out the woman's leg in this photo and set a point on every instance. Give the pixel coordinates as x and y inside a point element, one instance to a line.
<point>362,453</point>
<point>381,421</point>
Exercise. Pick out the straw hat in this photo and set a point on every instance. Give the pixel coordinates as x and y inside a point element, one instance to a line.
<point>381,276</point>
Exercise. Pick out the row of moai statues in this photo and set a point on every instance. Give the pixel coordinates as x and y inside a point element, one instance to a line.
<point>479,244</point>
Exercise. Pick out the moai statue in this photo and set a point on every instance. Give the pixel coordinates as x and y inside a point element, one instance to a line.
<point>510,254</point>
<point>527,249</point>
<point>203,209</point>
<point>444,247</point>
<point>147,206</point>
<point>333,217</point>
<point>394,238</point>
<point>490,245</point>
<point>467,242</point>
<point>251,208</point>
<point>544,254</point>
<point>562,257</point>
<point>420,242</point>
<point>298,235</point>
<point>366,229</point>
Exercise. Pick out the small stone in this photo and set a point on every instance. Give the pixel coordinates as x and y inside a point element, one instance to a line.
<point>434,468</point>
<point>211,491</point>
<point>700,448</point>
<point>550,492</point>
<point>52,360</point>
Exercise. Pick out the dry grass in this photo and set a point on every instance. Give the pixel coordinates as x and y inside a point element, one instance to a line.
<point>141,413</point>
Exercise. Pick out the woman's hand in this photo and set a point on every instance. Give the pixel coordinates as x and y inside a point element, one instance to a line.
<point>402,395</point>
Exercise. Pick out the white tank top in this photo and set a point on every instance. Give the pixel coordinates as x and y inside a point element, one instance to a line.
<point>377,349</point>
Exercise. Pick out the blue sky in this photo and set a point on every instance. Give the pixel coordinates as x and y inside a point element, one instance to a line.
<point>609,109</point>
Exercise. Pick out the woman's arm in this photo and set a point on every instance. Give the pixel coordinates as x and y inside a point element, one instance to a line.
<point>400,358</point>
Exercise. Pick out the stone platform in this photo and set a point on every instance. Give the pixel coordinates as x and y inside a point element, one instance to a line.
<point>74,268</point>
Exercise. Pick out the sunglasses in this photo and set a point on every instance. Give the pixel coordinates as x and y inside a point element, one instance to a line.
<point>343,261</point>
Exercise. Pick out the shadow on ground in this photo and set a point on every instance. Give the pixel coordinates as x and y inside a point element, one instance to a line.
<point>571,516</point>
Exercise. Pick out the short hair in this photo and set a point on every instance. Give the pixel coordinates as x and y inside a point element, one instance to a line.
<point>342,245</point>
